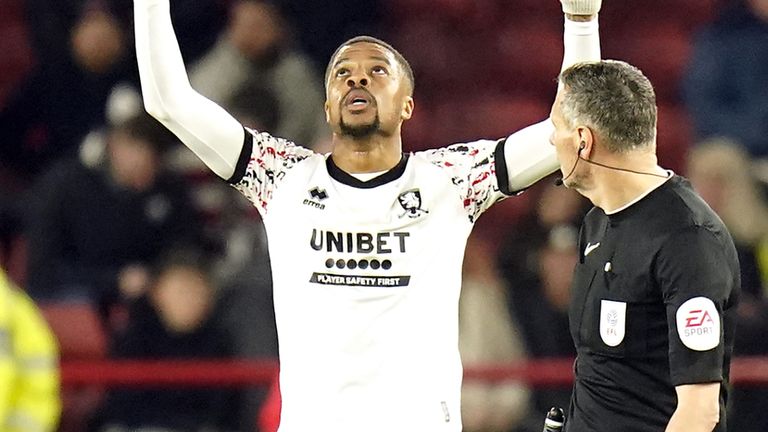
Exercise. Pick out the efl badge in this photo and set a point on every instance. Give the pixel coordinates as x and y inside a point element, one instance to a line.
<point>698,324</point>
<point>613,320</point>
<point>411,202</point>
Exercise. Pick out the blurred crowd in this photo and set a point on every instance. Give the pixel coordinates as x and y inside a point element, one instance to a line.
<point>105,213</point>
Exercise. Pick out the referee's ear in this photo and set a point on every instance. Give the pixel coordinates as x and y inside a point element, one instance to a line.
<point>586,141</point>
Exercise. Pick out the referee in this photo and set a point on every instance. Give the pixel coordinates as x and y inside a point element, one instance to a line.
<point>655,290</point>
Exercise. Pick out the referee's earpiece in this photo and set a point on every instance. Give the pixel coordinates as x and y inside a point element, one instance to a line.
<point>560,181</point>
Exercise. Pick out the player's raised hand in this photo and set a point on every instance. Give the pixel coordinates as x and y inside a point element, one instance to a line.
<point>581,7</point>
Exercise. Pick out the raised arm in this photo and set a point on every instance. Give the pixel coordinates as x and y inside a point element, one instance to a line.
<point>203,126</point>
<point>528,154</point>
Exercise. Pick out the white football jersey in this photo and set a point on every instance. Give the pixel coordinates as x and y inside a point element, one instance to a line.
<point>367,277</point>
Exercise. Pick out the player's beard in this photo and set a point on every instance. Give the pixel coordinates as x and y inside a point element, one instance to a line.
<point>362,130</point>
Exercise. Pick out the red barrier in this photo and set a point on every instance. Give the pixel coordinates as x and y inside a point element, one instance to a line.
<point>745,371</point>
<point>219,373</point>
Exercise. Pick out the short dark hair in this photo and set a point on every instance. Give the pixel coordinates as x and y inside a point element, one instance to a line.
<point>370,39</point>
<point>182,255</point>
<point>258,103</point>
<point>615,99</point>
<point>147,129</point>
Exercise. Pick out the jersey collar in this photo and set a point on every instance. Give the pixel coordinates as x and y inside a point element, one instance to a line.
<point>341,176</point>
<point>673,178</point>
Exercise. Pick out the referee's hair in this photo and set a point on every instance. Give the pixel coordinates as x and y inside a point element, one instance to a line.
<point>406,67</point>
<point>614,99</point>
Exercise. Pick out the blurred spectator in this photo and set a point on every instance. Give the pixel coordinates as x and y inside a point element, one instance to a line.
<point>720,171</point>
<point>243,60</point>
<point>82,53</point>
<point>176,319</point>
<point>537,263</point>
<point>246,299</point>
<point>321,28</point>
<point>52,22</point>
<point>29,372</point>
<point>256,107</point>
<point>94,229</point>
<point>488,335</point>
<point>230,220</point>
<point>65,96</point>
<point>725,86</point>
<point>242,268</point>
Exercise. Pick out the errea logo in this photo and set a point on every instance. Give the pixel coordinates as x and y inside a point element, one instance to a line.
<point>315,195</point>
<point>698,324</point>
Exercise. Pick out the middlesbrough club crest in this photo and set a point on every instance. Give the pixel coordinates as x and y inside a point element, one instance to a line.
<point>411,202</point>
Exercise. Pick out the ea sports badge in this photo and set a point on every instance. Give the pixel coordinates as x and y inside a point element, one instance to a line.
<point>613,319</point>
<point>698,324</point>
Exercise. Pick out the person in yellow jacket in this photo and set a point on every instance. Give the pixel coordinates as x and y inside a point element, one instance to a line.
<point>29,365</point>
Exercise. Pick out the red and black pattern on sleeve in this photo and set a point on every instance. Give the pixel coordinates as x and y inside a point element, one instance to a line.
<point>264,166</point>
<point>472,168</point>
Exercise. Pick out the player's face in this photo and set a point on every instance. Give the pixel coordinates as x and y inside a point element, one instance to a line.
<point>566,142</point>
<point>368,92</point>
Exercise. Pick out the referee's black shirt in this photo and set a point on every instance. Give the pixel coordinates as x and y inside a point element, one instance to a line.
<point>652,306</point>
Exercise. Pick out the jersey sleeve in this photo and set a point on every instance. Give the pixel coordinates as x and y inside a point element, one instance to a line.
<point>262,165</point>
<point>474,171</point>
<point>696,280</point>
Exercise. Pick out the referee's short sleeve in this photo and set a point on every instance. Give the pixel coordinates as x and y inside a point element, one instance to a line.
<point>697,280</point>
